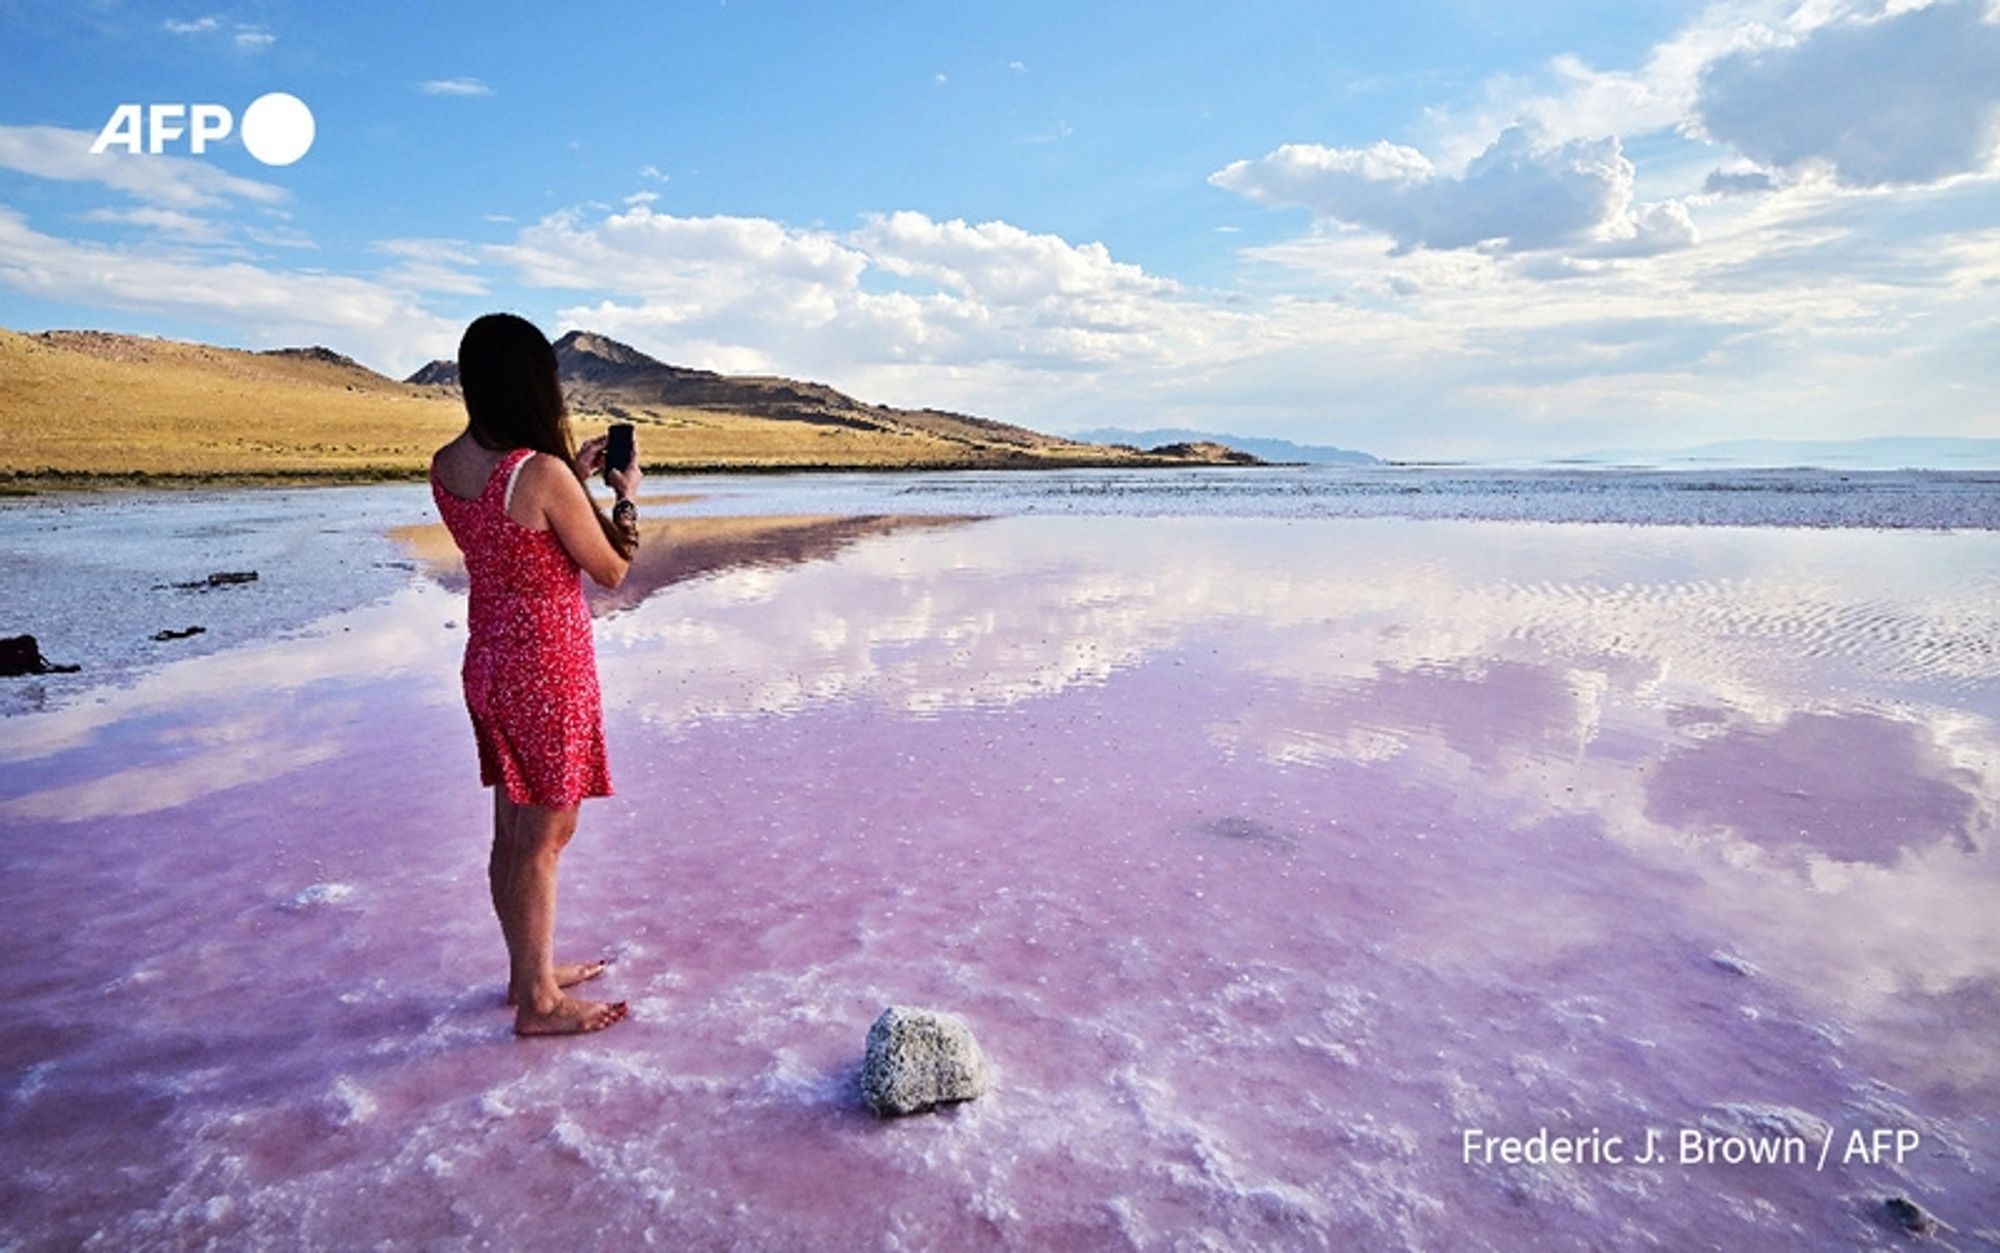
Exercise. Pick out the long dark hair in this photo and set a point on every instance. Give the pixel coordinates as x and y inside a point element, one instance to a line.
<point>513,399</point>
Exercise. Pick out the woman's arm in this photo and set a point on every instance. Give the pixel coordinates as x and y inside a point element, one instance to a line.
<point>549,497</point>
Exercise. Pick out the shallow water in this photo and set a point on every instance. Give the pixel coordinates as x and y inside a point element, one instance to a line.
<point>1883,499</point>
<point>1266,857</point>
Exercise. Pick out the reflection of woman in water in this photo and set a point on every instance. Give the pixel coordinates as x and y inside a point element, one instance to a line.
<point>513,496</point>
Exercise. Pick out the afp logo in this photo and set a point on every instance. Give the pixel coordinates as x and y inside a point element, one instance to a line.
<point>277,128</point>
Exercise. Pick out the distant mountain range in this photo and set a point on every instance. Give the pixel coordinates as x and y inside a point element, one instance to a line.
<point>1263,449</point>
<point>1889,452</point>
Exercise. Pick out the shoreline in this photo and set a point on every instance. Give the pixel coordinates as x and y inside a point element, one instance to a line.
<point>1805,499</point>
<point>24,483</point>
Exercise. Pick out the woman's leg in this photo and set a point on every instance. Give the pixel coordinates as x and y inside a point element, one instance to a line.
<point>499,873</point>
<point>528,918</point>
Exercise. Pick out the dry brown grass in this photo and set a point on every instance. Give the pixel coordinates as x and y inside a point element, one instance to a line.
<point>87,407</point>
<point>154,407</point>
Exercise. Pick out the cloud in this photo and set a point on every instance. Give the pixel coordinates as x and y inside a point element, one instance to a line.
<point>170,222</point>
<point>999,262</point>
<point>370,319</point>
<point>432,265</point>
<point>1738,183</point>
<point>1908,98</point>
<point>1450,352</point>
<point>1521,194</point>
<point>279,236</point>
<point>694,265</point>
<point>174,181</point>
<point>1569,99</point>
<point>1647,231</point>
<point>904,308</point>
<point>454,87</point>
<point>247,37</point>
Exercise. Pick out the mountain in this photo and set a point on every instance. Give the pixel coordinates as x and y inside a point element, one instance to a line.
<point>92,406</point>
<point>603,376</point>
<point>1888,452</point>
<point>1276,450</point>
<point>436,374</point>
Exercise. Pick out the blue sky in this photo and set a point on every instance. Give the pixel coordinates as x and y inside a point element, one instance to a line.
<point>1445,229</point>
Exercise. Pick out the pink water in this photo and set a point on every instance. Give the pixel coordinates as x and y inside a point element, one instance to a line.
<point>1265,858</point>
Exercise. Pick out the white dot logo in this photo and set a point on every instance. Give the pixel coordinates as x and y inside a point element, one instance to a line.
<point>277,128</point>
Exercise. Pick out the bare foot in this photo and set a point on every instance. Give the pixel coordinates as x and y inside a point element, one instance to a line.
<point>568,975</point>
<point>570,1016</point>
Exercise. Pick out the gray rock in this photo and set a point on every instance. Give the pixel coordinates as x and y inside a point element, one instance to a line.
<point>1906,1214</point>
<point>919,1058</point>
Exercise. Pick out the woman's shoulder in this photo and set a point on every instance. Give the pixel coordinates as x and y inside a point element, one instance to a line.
<point>541,467</point>
<point>545,479</point>
<point>463,468</point>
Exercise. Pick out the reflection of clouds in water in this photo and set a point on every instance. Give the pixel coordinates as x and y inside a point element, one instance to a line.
<point>169,784</point>
<point>1541,673</point>
<point>1494,715</point>
<point>1455,657</point>
<point>921,623</point>
<point>1006,609</point>
<point>399,638</point>
<point>1671,691</point>
<point>1854,787</point>
<point>1843,850</point>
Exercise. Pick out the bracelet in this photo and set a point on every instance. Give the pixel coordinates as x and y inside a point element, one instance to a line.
<point>625,517</point>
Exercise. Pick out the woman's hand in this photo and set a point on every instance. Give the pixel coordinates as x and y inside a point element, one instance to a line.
<point>590,458</point>
<point>626,482</point>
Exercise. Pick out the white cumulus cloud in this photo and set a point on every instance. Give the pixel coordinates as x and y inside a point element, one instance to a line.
<point>999,261</point>
<point>903,308</point>
<point>1521,194</point>
<point>371,320</point>
<point>1908,98</point>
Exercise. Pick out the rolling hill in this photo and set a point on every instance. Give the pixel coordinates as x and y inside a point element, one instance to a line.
<point>82,407</point>
<point>604,377</point>
<point>1261,447</point>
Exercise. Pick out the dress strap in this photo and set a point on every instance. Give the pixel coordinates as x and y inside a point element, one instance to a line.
<point>507,497</point>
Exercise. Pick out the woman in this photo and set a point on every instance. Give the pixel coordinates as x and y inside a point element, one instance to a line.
<point>513,496</point>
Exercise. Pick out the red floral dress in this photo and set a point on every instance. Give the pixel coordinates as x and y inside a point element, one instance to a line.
<point>530,668</point>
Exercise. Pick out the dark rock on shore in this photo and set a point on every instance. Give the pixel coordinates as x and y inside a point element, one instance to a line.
<point>221,578</point>
<point>1909,1216</point>
<point>20,654</point>
<point>920,1058</point>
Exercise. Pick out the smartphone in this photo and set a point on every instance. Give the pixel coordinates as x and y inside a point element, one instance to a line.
<point>618,449</point>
